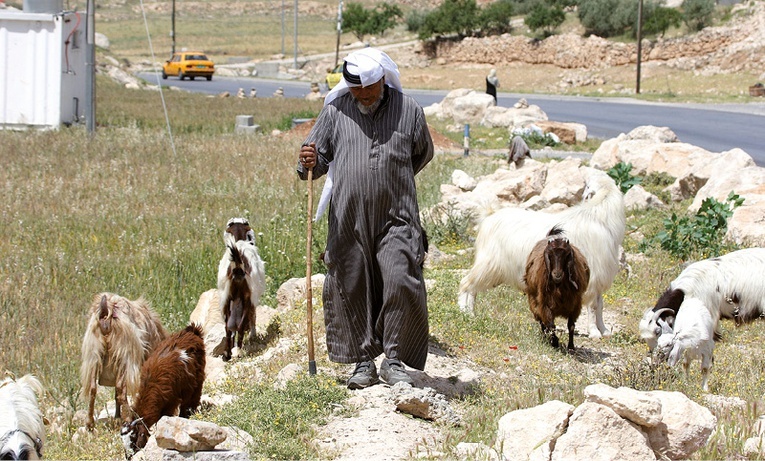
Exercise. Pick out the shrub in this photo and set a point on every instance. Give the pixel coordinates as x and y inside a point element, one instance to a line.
<point>620,173</point>
<point>451,17</point>
<point>702,232</point>
<point>697,14</point>
<point>375,21</point>
<point>494,19</point>
<point>544,17</point>
<point>661,20</point>
<point>603,17</point>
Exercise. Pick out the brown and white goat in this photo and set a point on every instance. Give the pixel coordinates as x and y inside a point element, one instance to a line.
<point>556,277</point>
<point>241,282</point>
<point>120,335</point>
<point>171,383</point>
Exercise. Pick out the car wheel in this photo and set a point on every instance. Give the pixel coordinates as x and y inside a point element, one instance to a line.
<point>191,78</point>
<point>209,77</point>
<point>181,75</point>
<point>164,75</point>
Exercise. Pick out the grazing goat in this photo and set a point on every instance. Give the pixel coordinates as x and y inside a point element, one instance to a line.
<point>171,383</point>
<point>120,335</point>
<point>556,277</point>
<point>241,282</point>
<point>692,335</point>
<point>505,239</point>
<point>22,433</point>
<point>730,286</point>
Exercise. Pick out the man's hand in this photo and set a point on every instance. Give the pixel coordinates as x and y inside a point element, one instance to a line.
<point>307,156</point>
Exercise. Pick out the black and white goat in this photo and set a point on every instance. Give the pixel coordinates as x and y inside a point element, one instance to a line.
<point>556,277</point>
<point>730,286</point>
<point>692,336</point>
<point>241,282</point>
<point>22,431</point>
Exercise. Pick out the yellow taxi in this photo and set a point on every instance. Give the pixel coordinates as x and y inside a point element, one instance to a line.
<point>188,64</point>
<point>334,76</point>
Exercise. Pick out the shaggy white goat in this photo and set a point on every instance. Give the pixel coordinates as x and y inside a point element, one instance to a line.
<point>692,335</point>
<point>241,282</point>
<point>22,433</point>
<point>730,286</point>
<point>595,226</point>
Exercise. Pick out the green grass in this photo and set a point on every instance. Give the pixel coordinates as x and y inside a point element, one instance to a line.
<point>122,212</point>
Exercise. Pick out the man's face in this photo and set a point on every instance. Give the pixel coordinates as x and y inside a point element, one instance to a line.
<point>368,95</point>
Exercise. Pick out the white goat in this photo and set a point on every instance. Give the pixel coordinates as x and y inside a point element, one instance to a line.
<point>692,335</point>
<point>22,433</point>
<point>241,282</point>
<point>505,239</point>
<point>730,286</point>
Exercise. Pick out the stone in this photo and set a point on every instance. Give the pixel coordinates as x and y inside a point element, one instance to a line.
<point>183,434</point>
<point>595,432</point>
<point>685,427</point>
<point>521,431</point>
<point>630,404</point>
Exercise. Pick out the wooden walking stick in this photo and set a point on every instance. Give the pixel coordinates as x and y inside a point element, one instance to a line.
<point>308,290</point>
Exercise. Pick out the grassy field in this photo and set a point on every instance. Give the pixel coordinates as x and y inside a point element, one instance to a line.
<point>122,212</point>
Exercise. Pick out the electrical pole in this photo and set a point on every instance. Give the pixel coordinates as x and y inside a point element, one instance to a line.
<point>172,30</point>
<point>639,43</point>
<point>282,28</point>
<point>296,33</point>
<point>339,31</point>
<point>90,68</point>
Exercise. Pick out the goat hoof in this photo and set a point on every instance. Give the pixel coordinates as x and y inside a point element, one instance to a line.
<point>226,357</point>
<point>554,341</point>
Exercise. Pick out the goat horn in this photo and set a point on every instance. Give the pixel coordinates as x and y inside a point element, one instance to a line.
<point>661,312</point>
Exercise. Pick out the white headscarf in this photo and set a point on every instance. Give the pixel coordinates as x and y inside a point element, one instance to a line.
<point>370,64</point>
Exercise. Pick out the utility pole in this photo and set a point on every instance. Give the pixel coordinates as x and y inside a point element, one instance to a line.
<point>639,43</point>
<point>172,30</point>
<point>90,68</point>
<point>282,28</point>
<point>296,33</point>
<point>339,31</point>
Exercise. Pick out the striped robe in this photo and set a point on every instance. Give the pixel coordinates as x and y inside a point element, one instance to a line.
<point>374,294</point>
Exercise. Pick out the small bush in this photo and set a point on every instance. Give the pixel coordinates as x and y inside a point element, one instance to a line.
<point>701,233</point>
<point>544,17</point>
<point>620,173</point>
<point>697,14</point>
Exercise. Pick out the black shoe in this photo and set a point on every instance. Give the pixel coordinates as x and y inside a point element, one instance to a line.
<point>364,375</point>
<point>392,371</point>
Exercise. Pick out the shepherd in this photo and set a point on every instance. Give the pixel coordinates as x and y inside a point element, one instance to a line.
<point>371,140</point>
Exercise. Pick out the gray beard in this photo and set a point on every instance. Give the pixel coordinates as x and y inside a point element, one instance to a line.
<point>366,110</point>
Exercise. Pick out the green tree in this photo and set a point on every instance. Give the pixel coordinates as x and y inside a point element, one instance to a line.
<point>604,18</point>
<point>451,17</point>
<point>661,20</point>
<point>375,21</point>
<point>545,17</point>
<point>494,19</point>
<point>697,14</point>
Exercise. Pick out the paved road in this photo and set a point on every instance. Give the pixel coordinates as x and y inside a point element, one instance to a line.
<point>716,128</point>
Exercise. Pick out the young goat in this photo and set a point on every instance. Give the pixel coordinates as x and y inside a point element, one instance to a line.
<point>22,433</point>
<point>693,334</point>
<point>171,383</point>
<point>120,335</point>
<point>729,286</point>
<point>556,277</point>
<point>241,282</point>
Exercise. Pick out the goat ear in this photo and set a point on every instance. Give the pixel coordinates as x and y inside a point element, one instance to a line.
<point>572,274</point>
<point>251,236</point>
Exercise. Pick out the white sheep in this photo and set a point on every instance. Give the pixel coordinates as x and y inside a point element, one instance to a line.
<point>595,226</point>
<point>692,335</point>
<point>22,431</point>
<point>730,286</point>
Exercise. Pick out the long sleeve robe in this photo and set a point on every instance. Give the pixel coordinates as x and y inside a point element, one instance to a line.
<point>374,294</point>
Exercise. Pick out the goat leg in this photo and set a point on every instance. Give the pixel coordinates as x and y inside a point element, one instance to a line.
<point>571,323</point>
<point>120,396</point>
<point>91,404</point>
<point>229,340</point>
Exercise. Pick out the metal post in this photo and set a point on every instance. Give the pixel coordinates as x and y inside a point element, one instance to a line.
<point>339,31</point>
<point>296,32</point>
<point>467,140</point>
<point>639,43</point>
<point>172,30</point>
<point>282,28</point>
<point>90,68</point>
